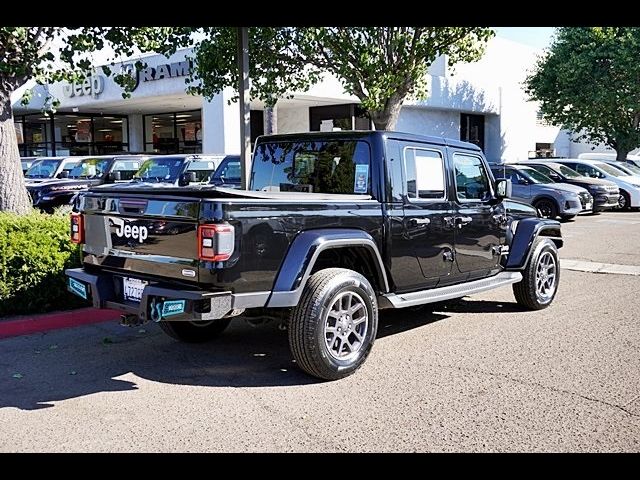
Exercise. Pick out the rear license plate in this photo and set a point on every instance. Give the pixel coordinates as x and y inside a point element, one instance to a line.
<point>588,206</point>
<point>132,288</point>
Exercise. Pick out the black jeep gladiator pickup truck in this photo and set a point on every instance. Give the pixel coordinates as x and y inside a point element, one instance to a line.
<point>334,227</point>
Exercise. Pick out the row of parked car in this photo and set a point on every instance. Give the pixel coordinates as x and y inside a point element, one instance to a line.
<point>555,187</point>
<point>564,188</point>
<point>55,181</point>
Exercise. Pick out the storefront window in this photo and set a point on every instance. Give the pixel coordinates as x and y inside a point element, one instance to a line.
<point>36,136</point>
<point>71,134</point>
<point>179,132</point>
<point>110,134</point>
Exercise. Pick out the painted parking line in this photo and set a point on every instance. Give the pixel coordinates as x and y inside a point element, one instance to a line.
<point>597,267</point>
<point>619,222</point>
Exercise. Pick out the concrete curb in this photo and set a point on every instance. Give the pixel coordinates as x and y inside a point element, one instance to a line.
<point>55,321</point>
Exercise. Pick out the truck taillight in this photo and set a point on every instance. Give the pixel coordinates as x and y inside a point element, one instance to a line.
<point>77,228</point>
<point>216,242</point>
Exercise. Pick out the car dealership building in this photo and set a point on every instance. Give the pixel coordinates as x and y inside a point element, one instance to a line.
<point>481,102</point>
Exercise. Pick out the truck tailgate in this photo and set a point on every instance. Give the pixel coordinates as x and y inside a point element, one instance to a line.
<point>151,236</point>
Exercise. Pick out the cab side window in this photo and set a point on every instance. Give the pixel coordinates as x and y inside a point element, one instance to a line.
<point>424,173</point>
<point>587,170</point>
<point>472,181</point>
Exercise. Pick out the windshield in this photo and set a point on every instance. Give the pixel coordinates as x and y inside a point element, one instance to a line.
<point>611,170</point>
<point>227,173</point>
<point>628,168</point>
<point>43,169</point>
<point>535,176</point>
<point>569,172</point>
<point>160,170</point>
<point>545,170</point>
<point>317,166</point>
<point>202,168</point>
<point>90,168</point>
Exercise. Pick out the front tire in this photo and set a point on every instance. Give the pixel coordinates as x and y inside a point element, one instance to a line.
<point>540,278</point>
<point>334,326</point>
<point>546,208</point>
<point>624,201</point>
<point>195,332</point>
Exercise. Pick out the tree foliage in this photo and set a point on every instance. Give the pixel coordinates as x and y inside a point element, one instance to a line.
<point>588,82</point>
<point>49,54</point>
<point>382,66</point>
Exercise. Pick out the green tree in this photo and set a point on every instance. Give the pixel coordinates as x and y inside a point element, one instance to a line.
<point>28,53</point>
<point>382,66</point>
<point>587,82</point>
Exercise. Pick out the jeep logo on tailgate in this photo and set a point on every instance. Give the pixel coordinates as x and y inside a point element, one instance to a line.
<point>135,232</point>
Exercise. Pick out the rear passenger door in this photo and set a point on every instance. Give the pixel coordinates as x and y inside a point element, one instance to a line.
<point>479,221</point>
<point>428,211</point>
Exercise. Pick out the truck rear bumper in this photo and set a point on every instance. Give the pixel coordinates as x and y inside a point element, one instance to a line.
<point>162,304</point>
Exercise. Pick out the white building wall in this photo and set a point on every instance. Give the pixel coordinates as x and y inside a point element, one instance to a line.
<point>221,125</point>
<point>293,120</point>
<point>135,133</point>
<point>423,121</point>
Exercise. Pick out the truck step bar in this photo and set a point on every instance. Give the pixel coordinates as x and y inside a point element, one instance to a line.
<point>452,291</point>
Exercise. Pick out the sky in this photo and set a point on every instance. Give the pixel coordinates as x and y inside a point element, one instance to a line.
<point>537,37</point>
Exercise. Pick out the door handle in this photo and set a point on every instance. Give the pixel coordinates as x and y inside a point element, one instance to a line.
<point>414,222</point>
<point>460,221</point>
<point>500,219</point>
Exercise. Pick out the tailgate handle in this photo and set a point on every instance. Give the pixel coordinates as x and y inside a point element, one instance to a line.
<point>132,205</point>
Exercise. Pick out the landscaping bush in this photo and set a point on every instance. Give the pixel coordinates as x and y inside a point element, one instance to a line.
<point>34,252</point>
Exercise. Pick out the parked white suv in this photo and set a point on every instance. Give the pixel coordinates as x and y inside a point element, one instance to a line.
<point>629,184</point>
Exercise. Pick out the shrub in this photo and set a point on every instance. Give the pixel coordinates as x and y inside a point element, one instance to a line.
<point>34,252</point>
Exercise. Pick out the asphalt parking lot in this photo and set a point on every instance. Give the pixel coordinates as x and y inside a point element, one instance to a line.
<point>477,376</point>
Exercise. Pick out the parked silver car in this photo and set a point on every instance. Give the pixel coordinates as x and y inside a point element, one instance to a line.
<point>550,199</point>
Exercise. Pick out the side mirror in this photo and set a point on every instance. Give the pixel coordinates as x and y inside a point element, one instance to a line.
<point>503,188</point>
<point>63,174</point>
<point>114,177</point>
<point>523,181</point>
<point>187,178</point>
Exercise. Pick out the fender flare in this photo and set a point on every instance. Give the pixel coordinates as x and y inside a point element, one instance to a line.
<point>303,253</point>
<point>527,231</point>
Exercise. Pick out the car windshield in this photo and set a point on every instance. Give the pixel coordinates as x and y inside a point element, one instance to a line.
<point>611,170</point>
<point>317,166</point>
<point>161,169</point>
<point>228,172</point>
<point>90,168</point>
<point>568,172</point>
<point>629,168</point>
<point>548,171</point>
<point>42,169</point>
<point>535,176</point>
<point>202,168</point>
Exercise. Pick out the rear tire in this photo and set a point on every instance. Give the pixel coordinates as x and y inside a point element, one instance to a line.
<point>546,208</point>
<point>334,325</point>
<point>195,332</point>
<point>540,278</point>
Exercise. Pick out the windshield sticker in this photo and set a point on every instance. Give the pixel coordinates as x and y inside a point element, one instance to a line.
<point>362,179</point>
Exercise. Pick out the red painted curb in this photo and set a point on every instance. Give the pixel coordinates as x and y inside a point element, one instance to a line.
<point>54,321</point>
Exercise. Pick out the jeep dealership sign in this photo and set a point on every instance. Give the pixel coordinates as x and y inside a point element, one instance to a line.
<point>91,86</point>
<point>159,72</point>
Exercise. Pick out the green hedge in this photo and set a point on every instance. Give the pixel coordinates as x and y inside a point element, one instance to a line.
<point>34,252</point>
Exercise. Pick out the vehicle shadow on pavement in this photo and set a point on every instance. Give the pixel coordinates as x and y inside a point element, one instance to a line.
<point>38,370</point>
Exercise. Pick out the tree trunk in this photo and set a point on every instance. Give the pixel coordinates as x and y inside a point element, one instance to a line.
<point>13,193</point>
<point>387,118</point>
<point>621,154</point>
<point>270,120</point>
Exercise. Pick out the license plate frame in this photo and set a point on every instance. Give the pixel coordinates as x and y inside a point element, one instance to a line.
<point>132,289</point>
